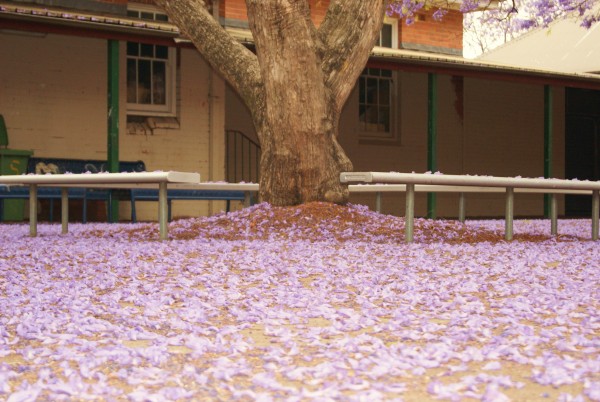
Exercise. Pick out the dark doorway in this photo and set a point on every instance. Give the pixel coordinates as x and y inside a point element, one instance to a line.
<point>582,145</point>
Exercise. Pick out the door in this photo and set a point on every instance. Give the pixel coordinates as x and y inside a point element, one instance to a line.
<point>582,145</point>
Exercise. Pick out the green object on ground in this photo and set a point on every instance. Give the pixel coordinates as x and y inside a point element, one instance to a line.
<point>12,162</point>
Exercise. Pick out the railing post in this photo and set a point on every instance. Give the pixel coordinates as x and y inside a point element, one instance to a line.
<point>162,211</point>
<point>461,208</point>
<point>243,156</point>
<point>378,201</point>
<point>33,210</point>
<point>508,219</point>
<point>64,209</point>
<point>553,215</point>
<point>548,139</point>
<point>409,217</point>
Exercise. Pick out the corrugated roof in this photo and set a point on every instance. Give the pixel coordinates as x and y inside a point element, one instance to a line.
<point>93,21</point>
<point>456,63</point>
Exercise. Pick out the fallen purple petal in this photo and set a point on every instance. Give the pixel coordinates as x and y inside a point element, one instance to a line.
<point>294,306</point>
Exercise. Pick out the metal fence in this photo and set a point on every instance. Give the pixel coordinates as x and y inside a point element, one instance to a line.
<point>242,158</point>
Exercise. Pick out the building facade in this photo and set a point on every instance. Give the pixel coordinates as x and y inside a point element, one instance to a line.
<point>175,112</point>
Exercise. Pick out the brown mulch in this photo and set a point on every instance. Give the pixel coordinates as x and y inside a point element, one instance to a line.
<point>320,221</point>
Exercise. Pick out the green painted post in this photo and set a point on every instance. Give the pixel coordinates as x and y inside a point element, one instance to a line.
<point>547,145</point>
<point>431,138</point>
<point>113,120</point>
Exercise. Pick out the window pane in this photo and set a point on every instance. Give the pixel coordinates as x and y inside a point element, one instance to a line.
<point>384,119</point>
<point>384,92</point>
<point>371,98</point>
<point>147,50</point>
<point>144,79</point>
<point>147,15</point>
<point>161,17</point>
<point>375,102</point>
<point>159,90</point>
<point>131,80</point>
<point>162,52</point>
<point>362,90</point>
<point>385,39</point>
<point>133,13</point>
<point>133,49</point>
<point>362,116</point>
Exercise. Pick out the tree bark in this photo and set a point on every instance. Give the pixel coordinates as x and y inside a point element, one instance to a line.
<point>295,86</point>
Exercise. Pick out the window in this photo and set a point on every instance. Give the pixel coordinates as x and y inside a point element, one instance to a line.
<point>150,73</point>
<point>375,103</point>
<point>385,37</point>
<point>376,93</point>
<point>388,37</point>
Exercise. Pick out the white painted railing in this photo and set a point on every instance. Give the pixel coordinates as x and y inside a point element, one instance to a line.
<point>413,182</point>
<point>158,180</point>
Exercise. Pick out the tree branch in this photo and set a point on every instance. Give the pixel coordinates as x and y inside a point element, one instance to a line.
<point>347,35</point>
<point>234,62</point>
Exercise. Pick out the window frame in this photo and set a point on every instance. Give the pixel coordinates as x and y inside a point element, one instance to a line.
<point>393,22</point>
<point>169,107</point>
<point>375,135</point>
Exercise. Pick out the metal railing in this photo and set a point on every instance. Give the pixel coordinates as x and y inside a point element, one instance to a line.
<point>408,182</point>
<point>242,158</point>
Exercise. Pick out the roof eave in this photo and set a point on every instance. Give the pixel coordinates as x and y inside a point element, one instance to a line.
<point>25,18</point>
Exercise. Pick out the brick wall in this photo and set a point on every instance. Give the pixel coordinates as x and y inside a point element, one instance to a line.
<point>424,34</point>
<point>53,98</point>
<point>233,10</point>
<point>427,34</point>
<point>236,10</point>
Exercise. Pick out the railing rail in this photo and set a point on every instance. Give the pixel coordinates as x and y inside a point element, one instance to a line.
<point>379,182</point>
<point>242,158</point>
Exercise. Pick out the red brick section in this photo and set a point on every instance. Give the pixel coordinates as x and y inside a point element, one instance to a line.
<point>425,31</point>
<point>447,33</point>
<point>236,9</point>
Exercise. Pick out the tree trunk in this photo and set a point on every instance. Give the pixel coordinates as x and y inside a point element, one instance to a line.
<point>301,158</point>
<point>295,86</point>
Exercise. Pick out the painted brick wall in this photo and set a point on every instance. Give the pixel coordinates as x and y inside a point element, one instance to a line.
<point>54,109</point>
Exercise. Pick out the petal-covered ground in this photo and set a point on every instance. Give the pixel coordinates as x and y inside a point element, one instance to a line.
<point>317,302</point>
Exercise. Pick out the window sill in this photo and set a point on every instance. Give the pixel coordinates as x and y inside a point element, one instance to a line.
<point>140,125</point>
